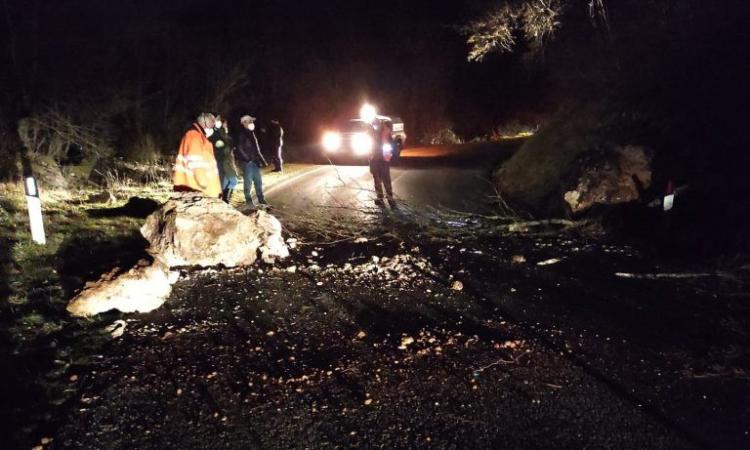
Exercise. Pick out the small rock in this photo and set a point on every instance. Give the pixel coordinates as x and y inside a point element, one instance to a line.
<point>406,341</point>
<point>117,328</point>
<point>361,335</point>
<point>548,262</point>
<point>457,286</point>
<point>518,259</point>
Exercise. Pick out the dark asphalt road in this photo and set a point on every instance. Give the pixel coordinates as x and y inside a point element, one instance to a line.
<point>360,354</point>
<point>455,177</point>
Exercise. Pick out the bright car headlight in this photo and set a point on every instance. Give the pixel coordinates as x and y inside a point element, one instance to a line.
<point>361,144</point>
<point>331,141</point>
<point>367,113</point>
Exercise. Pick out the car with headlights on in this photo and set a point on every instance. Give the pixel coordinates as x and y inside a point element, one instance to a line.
<point>356,138</point>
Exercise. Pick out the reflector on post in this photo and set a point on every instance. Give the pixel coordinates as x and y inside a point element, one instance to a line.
<point>34,204</point>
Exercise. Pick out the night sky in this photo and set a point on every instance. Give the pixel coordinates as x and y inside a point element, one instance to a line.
<point>309,63</point>
<point>151,66</point>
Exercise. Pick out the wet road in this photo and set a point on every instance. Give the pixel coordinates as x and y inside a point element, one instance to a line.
<point>452,177</point>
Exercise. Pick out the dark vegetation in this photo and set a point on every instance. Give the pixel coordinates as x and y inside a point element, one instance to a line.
<point>669,76</point>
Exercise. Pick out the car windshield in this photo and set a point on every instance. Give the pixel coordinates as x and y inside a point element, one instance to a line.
<point>354,126</point>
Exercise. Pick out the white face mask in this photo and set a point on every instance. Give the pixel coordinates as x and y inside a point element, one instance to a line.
<point>218,124</point>
<point>209,132</point>
<point>251,126</point>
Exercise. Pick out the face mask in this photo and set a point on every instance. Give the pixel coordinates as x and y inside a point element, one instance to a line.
<point>218,124</point>
<point>251,127</point>
<point>209,132</point>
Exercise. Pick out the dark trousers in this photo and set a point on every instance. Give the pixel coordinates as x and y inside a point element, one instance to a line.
<point>381,174</point>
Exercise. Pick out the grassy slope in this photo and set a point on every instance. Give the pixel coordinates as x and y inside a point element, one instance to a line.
<point>535,175</point>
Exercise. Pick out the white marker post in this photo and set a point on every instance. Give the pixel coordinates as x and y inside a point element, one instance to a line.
<point>34,204</point>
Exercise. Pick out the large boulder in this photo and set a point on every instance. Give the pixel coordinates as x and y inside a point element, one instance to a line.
<point>609,177</point>
<point>143,288</point>
<point>193,230</point>
<point>188,230</point>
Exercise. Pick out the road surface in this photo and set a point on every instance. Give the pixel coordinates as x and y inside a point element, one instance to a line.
<point>453,177</point>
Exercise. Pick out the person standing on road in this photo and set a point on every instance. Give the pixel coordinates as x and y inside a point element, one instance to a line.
<point>223,151</point>
<point>250,160</point>
<point>195,167</point>
<point>276,142</point>
<point>380,162</point>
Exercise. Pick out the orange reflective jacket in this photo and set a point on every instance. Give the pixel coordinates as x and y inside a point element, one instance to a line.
<point>195,167</point>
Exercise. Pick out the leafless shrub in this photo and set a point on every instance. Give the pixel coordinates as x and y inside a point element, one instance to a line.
<point>444,136</point>
<point>52,133</point>
<point>512,129</point>
<point>145,149</point>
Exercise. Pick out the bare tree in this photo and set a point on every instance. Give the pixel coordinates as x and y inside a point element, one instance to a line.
<point>535,20</point>
<point>229,81</point>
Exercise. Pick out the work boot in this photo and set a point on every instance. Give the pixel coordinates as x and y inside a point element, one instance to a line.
<point>392,203</point>
<point>229,195</point>
<point>247,207</point>
<point>379,202</point>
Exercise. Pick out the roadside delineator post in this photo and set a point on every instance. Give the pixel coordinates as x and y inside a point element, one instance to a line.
<point>668,202</point>
<point>34,204</point>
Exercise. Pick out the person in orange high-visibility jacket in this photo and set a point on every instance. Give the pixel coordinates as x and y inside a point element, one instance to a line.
<point>195,168</point>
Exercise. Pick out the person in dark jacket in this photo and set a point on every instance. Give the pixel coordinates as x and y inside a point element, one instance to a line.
<point>276,143</point>
<point>250,159</point>
<point>224,160</point>
<point>380,162</point>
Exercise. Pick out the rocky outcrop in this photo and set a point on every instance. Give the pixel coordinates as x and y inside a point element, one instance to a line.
<point>189,230</point>
<point>608,178</point>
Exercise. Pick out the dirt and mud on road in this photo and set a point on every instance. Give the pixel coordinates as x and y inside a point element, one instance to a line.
<point>517,341</point>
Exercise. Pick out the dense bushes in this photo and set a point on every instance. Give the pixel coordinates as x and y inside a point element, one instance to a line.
<point>443,136</point>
